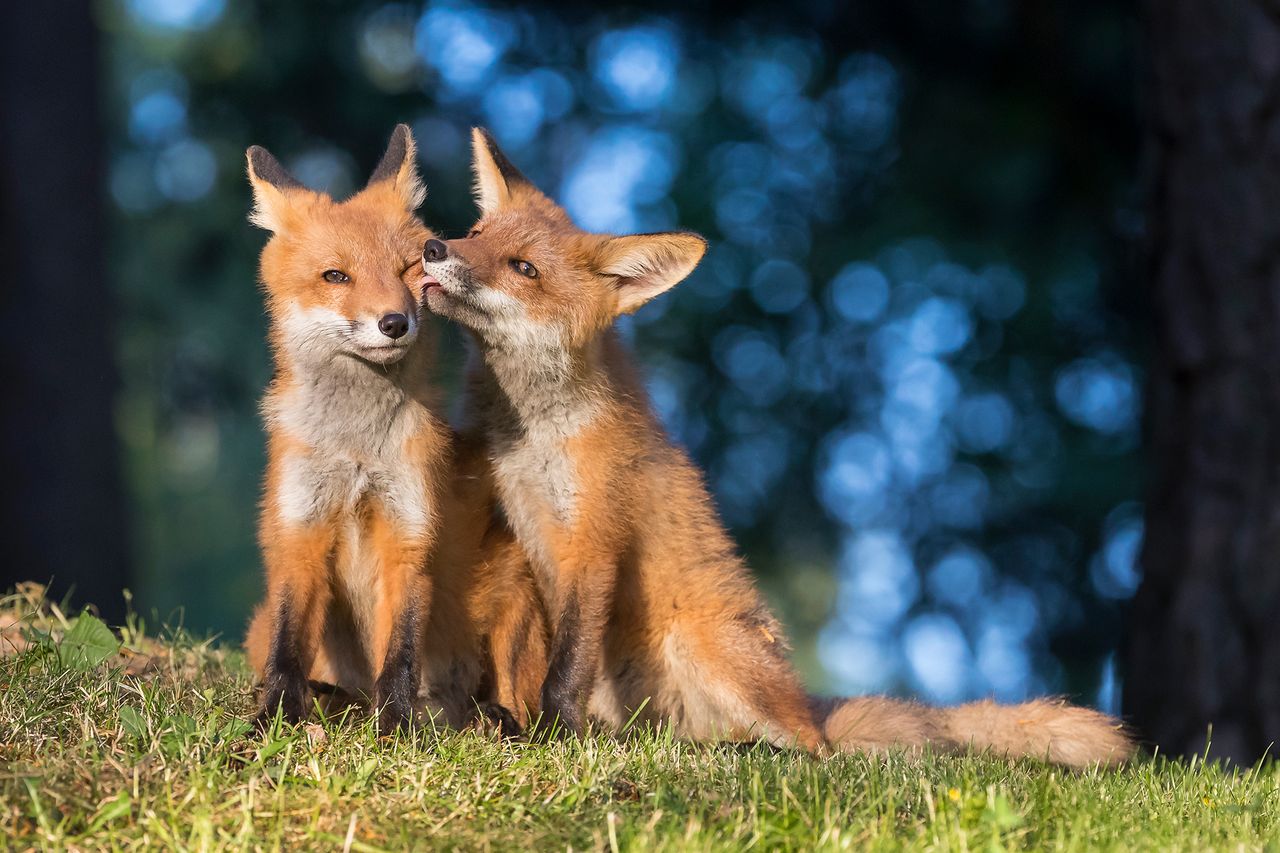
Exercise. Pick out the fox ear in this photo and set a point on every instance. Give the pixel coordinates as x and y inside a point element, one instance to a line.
<point>400,165</point>
<point>272,186</point>
<point>646,265</point>
<point>496,176</point>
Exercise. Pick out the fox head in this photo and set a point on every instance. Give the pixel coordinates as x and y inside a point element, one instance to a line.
<point>342,278</point>
<point>526,273</point>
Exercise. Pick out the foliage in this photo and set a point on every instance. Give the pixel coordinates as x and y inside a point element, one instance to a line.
<point>88,642</point>
<point>160,755</point>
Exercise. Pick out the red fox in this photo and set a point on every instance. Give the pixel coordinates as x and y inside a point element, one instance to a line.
<point>653,613</point>
<point>388,575</point>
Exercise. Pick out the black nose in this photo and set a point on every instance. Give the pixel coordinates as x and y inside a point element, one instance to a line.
<point>435,250</point>
<point>394,325</point>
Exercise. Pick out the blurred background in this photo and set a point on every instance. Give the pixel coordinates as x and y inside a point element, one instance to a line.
<point>912,364</point>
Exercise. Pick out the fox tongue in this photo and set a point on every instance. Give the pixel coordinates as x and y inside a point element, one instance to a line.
<point>430,281</point>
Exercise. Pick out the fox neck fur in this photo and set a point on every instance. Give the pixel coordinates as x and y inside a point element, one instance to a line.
<point>346,424</point>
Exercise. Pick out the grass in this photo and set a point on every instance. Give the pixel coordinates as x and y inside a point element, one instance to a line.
<point>144,744</point>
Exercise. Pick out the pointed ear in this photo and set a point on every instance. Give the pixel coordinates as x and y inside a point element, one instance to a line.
<point>272,186</point>
<point>400,165</point>
<point>649,264</point>
<point>496,177</point>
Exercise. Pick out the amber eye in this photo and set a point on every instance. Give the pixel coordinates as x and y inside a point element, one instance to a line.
<point>336,277</point>
<point>525,268</point>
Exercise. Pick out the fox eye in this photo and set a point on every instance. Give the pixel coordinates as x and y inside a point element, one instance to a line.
<point>336,277</point>
<point>525,268</point>
<point>474,232</point>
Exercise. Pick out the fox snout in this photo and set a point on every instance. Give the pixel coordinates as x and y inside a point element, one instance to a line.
<point>445,271</point>
<point>434,250</point>
<point>394,325</point>
<point>382,336</point>
<point>453,288</point>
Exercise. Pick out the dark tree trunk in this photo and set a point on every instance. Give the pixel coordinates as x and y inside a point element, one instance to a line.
<point>63,513</point>
<point>1204,646</point>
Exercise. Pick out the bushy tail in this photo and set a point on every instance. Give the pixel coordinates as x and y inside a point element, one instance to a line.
<point>1047,729</point>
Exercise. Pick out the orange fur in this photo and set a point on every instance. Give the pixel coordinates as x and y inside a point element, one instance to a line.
<point>653,611</point>
<point>1047,729</point>
<point>363,473</point>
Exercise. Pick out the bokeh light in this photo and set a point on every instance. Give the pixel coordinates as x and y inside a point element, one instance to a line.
<point>883,356</point>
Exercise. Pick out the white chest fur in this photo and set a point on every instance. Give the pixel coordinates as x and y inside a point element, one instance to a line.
<point>538,485</point>
<point>534,409</point>
<point>536,466</point>
<point>352,424</point>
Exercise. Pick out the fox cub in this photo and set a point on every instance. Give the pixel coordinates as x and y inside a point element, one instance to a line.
<point>653,613</point>
<point>388,575</point>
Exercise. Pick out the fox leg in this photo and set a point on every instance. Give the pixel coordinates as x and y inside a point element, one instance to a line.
<point>518,656</point>
<point>257,640</point>
<point>584,598</point>
<point>399,620</point>
<point>298,600</point>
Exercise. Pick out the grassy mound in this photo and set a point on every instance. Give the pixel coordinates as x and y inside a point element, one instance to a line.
<point>124,740</point>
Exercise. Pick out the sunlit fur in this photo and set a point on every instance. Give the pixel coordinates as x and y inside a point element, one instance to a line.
<point>1047,729</point>
<point>654,612</point>
<point>374,517</point>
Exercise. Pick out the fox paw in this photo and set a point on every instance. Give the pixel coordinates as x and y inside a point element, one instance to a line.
<point>395,717</point>
<point>290,705</point>
<point>497,718</point>
<point>557,724</point>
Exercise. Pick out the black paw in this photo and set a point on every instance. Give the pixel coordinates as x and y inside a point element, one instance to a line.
<point>395,715</point>
<point>498,718</point>
<point>290,703</point>
<point>563,708</point>
<point>558,724</point>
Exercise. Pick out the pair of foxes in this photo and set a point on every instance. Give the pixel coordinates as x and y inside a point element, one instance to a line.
<point>557,558</point>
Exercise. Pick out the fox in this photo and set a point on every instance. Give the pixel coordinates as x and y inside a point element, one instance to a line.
<point>653,613</point>
<point>390,580</point>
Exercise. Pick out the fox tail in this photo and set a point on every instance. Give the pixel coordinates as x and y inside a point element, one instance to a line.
<point>1047,729</point>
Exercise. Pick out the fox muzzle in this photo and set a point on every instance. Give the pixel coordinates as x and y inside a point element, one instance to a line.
<point>434,250</point>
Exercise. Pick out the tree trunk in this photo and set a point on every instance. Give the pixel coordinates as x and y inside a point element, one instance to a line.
<point>63,513</point>
<point>1204,647</point>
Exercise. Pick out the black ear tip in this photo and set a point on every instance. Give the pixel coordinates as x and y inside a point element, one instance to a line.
<point>400,136</point>
<point>397,150</point>
<point>489,142</point>
<point>507,169</point>
<point>266,167</point>
<point>261,162</point>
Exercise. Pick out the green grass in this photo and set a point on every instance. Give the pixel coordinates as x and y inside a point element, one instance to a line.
<point>147,746</point>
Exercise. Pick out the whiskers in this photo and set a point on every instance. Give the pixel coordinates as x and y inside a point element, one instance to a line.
<point>348,330</point>
<point>321,338</point>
